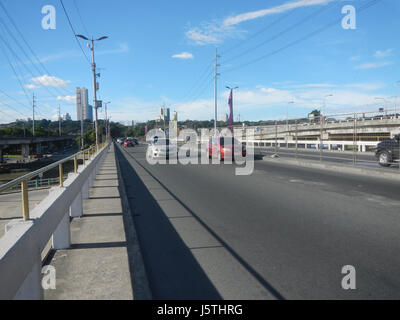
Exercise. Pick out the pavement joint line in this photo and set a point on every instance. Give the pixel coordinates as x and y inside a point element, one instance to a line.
<point>343,168</point>
<point>140,282</point>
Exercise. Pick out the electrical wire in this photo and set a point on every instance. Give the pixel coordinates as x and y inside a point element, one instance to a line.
<point>290,28</point>
<point>309,35</point>
<point>73,31</point>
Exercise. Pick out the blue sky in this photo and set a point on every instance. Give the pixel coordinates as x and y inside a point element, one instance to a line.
<point>161,52</point>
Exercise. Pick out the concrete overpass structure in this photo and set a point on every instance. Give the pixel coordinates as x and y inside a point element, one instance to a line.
<point>26,142</point>
<point>359,133</point>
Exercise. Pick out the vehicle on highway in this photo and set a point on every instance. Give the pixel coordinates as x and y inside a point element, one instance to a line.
<point>135,141</point>
<point>121,140</point>
<point>129,143</point>
<point>223,148</point>
<point>162,148</point>
<point>387,151</point>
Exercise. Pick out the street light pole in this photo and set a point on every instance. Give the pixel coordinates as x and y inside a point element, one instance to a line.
<point>94,94</point>
<point>324,102</point>
<point>321,124</point>
<point>395,98</point>
<point>287,121</point>
<point>379,98</point>
<point>216,74</point>
<point>94,82</point>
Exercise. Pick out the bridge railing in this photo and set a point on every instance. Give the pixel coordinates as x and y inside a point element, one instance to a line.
<point>23,181</point>
<point>25,239</point>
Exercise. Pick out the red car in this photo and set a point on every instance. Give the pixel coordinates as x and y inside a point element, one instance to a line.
<point>129,143</point>
<point>223,148</point>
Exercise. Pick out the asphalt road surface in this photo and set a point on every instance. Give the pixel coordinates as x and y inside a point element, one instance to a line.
<point>362,159</point>
<point>283,232</point>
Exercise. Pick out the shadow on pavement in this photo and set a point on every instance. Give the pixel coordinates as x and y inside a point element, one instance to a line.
<point>172,270</point>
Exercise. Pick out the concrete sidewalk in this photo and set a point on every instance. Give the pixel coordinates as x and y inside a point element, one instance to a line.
<point>96,266</point>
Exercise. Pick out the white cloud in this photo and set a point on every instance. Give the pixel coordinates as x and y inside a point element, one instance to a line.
<point>385,53</point>
<point>216,31</point>
<point>183,55</point>
<point>66,98</point>
<point>312,85</point>
<point>50,81</point>
<point>122,48</point>
<point>355,58</point>
<point>373,65</point>
<point>274,10</point>
<point>211,33</point>
<point>30,86</point>
<point>366,86</point>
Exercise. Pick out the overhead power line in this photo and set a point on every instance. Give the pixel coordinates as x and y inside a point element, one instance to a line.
<point>25,66</point>
<point>74,33</point>
<point>256,34</point>
<point>14,71</point>
<point>199,81</point>
<point>80,18</point>
<point>27,44</point>
<point>309,35</point>
<point>276,36</point>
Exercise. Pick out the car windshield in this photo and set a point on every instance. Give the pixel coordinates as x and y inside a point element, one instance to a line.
<point>229,141</point>
<point>162,141</point>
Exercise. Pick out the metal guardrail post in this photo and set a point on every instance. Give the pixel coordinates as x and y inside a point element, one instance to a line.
<point>276,137</point>
<point>25,200</point>
<point>296,137</point>
<point>75,164</point>
<point>60,169</point>
<point>355,144</point>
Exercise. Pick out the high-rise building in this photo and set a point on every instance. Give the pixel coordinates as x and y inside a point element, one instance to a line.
<point>223,117</point>
<point>83,109</point>
<point>66,116</point>
<point>164,114</point>
<point>89,113</point>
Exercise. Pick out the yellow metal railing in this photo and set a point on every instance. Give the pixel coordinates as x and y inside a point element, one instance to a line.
<point>86,155</point>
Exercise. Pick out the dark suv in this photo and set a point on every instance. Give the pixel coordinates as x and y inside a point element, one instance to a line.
<point>387,151</point>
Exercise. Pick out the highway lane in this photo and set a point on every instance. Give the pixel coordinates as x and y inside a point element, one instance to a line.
<point>281,233</point>
<point>362,159</point>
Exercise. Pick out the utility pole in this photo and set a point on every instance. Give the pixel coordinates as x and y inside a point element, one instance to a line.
<point>216,74</point>
<point>59,121</point>
<point>94,93</point>
<point>395,98</point>
<point>287,122</point>
<point>82,144</point>
<point>94,81</point>
<point>33,114</point>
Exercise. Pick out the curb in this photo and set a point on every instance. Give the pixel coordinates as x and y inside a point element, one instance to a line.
<point>140,283</point>
<point>343,168</point>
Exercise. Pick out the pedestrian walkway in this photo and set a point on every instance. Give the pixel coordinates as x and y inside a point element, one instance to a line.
<point>96,266</point>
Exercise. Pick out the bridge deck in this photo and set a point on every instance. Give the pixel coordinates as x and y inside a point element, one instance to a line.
<point>96,266</point>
